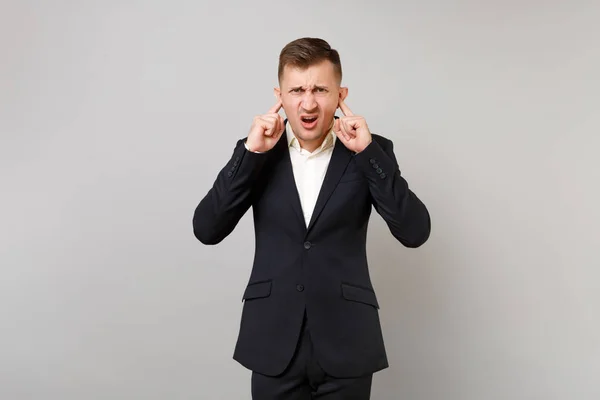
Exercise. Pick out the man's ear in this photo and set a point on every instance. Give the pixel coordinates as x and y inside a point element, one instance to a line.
<point>343,93</point>
<point>277,93</point>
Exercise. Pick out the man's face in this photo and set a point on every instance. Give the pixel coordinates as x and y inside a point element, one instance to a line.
<point>309,98</point>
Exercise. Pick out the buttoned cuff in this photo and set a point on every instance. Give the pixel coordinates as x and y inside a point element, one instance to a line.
<point>375,163</point>
<point>243,165</point>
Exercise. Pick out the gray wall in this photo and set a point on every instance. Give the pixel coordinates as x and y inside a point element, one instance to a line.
<point>115,117</point>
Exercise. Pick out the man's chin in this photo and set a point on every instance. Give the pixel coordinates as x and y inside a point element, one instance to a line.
<point>312,134</point>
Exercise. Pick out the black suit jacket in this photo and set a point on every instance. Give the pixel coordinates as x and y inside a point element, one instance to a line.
<point>321,269</point>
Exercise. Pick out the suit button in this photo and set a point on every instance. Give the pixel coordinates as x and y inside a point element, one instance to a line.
<point>299,288</point>
<point>379,170</point>
<point>307,245</point>
<point>372,161</point>
<point>383,175</point>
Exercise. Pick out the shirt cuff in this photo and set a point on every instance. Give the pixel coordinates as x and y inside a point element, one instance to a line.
<point>247,148</point>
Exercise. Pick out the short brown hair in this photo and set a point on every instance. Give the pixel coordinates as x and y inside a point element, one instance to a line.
<point>307,51</point>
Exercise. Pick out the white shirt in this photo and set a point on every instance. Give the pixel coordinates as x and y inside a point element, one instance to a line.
<point>309,169</point>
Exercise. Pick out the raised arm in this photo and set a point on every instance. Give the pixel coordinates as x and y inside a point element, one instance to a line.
<point>231,194</point>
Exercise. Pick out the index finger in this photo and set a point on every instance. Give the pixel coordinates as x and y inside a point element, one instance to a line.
<point>275,108</point>
<point>345,109</point>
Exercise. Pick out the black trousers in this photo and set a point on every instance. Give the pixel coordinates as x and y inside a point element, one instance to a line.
<point>304,379</point>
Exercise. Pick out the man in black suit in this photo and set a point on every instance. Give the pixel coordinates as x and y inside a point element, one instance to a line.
<point>310,325</point>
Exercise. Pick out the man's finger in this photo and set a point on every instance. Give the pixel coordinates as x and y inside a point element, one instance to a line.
<point>275,108</point>
<point>342,136</point>
<point>345,110</point>
<point>269,118</point>
<point>343,129</point>
<point>279,130</point>
<point>349,128</point>
<point>281,125</point>
<point>276,127</point>
<point>336,126</point>
<point>266,125</point>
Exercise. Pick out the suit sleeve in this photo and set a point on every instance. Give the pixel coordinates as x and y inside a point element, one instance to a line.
<point>404,213</point>
<point>230,197</point>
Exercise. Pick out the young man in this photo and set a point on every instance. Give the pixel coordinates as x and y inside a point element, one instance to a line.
<point>310,325</point>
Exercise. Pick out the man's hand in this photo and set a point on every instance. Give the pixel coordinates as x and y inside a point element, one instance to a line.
<point>266,130</point>
<point>352,130</point>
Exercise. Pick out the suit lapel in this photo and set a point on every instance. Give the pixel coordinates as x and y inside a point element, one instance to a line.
<point>340,158</point>
<point>290,190</point>
<point>337,165</point>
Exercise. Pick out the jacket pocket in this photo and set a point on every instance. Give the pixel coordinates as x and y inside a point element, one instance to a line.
<point>359,294</point>
<point>257,290</point>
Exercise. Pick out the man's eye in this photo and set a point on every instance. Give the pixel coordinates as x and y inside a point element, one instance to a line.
<point>296,90</point>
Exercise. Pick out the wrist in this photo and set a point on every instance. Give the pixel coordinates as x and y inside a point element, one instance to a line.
<point>250,147</point>
<point>360,150</point>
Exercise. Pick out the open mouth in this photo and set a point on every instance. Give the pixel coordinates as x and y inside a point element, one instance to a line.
<point>309,122</point>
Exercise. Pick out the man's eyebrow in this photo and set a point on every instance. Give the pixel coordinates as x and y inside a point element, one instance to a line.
<point>303,87</point>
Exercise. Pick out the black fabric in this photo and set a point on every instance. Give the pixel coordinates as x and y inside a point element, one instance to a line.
<point>304,379</point>
<point>320,270</point>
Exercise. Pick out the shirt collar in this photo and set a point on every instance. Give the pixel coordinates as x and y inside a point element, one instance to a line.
<point>293,141</point>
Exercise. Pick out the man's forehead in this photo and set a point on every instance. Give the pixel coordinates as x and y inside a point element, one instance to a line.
<point>308,85</point>
<point>315,75</point>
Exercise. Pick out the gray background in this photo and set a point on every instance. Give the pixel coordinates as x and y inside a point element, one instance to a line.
<point>115,118</point>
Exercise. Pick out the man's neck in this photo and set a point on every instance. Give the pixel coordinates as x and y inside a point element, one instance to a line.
<point>312,145</point>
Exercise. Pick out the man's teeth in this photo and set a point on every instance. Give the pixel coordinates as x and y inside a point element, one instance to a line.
<point>309,119</point>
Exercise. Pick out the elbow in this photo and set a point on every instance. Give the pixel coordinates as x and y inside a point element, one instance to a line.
<point>422,229</point>
<point>206,237</point>
<point>424,233</point>
<point>205,233</point>
<point>419,233</point>
<point>415,241</point>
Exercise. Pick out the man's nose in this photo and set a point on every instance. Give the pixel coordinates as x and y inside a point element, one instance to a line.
<point>308,101</point>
